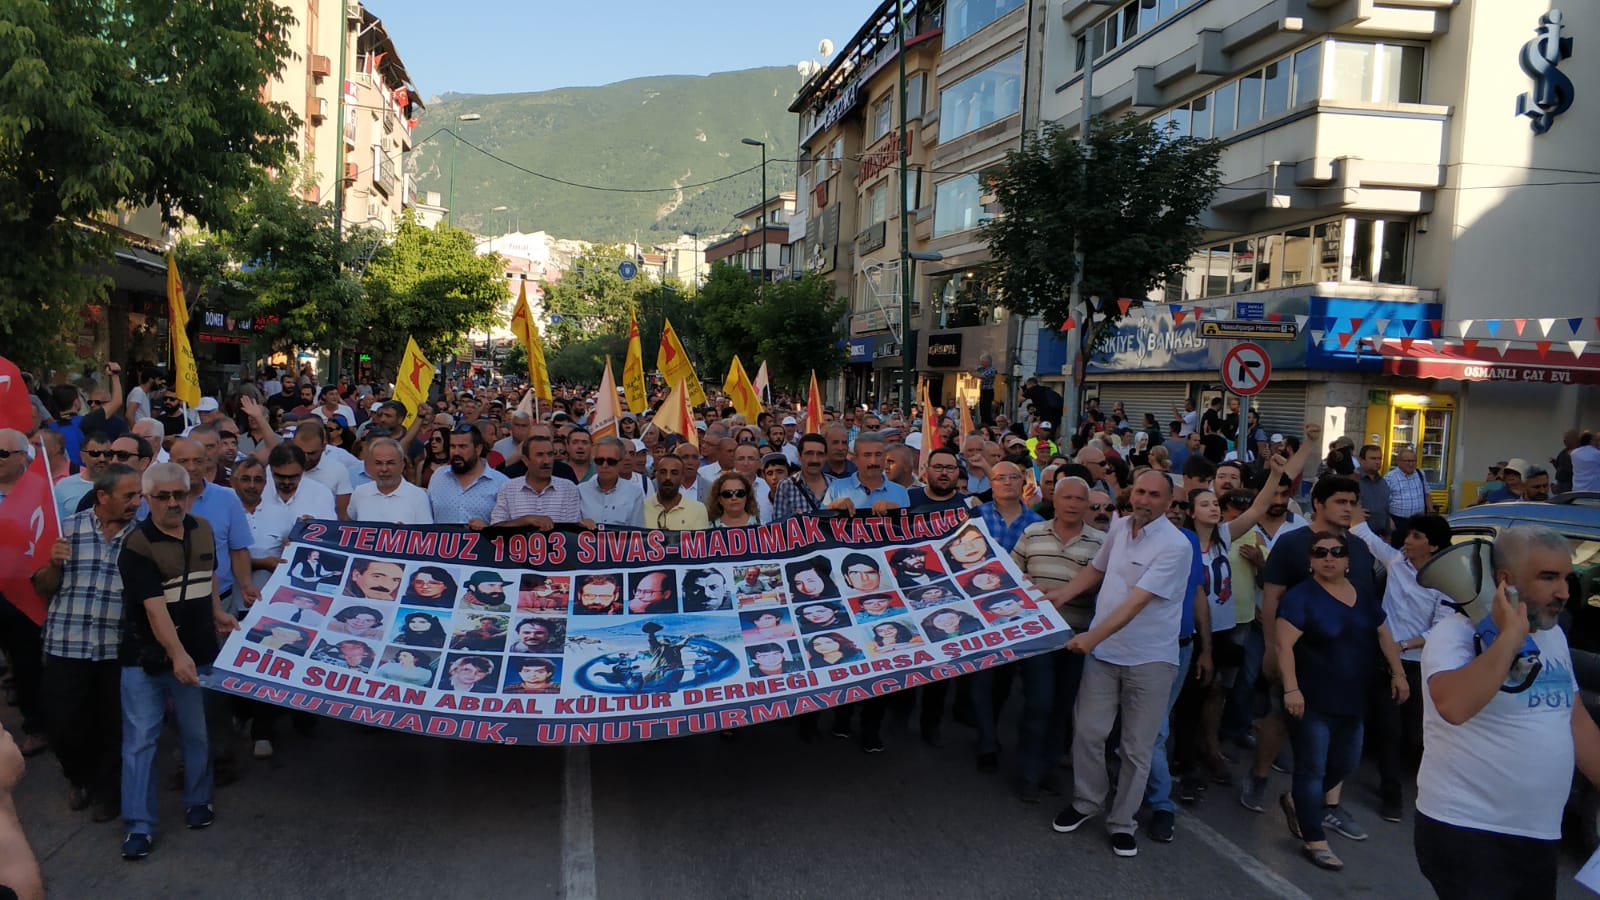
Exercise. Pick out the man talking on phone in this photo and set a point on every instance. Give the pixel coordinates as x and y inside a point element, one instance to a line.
<point>1497,765</point>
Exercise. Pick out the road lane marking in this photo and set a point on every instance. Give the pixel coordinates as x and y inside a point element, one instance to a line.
<point>1258,871</point>
<point>577,827</point>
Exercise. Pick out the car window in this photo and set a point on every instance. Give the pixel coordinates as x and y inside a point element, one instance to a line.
<point>1583,594</point>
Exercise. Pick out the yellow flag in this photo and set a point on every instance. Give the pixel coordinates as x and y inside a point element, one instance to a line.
<point>743,394</point>
<point>185,373</point>
<point>526,330</point>
<point>675,366</point>
<point>603,418</point>
<point>633,372</point>
<point>412,381</point>
<point>676,415</point>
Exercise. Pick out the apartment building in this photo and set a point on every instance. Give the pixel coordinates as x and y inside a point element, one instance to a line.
<point>762,250</point>
<point>1380,189</point>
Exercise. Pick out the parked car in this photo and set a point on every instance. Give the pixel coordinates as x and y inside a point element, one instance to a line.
<point>1577,517</point>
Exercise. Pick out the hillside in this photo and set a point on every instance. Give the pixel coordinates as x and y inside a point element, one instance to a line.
<point>643,133</point>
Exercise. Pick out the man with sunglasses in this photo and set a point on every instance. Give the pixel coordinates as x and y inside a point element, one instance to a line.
<point>96,454</point>
<point>668,509</point>
<point>129,450</point>
<point>290,491</point>
<point>607,498</point>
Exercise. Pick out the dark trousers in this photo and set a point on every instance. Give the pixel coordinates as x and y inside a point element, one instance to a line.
<point>1465,862</point>
<point>23,644</point>
<point>1326,749</point>
<point>82,701</point>
<point>1396,730</point>
<point>986,406</point>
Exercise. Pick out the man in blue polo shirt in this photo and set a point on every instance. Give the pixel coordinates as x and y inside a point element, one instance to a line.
<point>867,488</point>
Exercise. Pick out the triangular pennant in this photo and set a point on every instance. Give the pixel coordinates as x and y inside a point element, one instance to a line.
<point>1436,326</point>
<point>1501,347</point>
<point>1405,344</point>
<point>1521,324</point>
<point>1493,325</point>
<point>1317,335</point>
<point>1300,322</point>
<point>1174,309</point>
<point>1543,347</point>
<point>1469,345</point>
<point>1179,316</point>
<point>1344,339</point>
<point>1274,317</point>
<point>1577,348</point>
<point>1464,326</point>
<point>1355,325</point>
<point>1382,325</point>
<point>1575,323</point>
<point>1197,311</point>
<point>1377,343</point>
<point>1069,324</point>
<point>1123,303</point>
<point>1545,325</point>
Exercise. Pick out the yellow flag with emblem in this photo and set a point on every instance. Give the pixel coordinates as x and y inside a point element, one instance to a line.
<point>743,394</point>
<point>526,330</point>
<point>413,380</point>
<point>675,366</point>
<point>185,372</point>
<point>633,371</point>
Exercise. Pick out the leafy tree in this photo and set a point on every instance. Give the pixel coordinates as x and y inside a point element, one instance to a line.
<point>798,325</point>
<point>514,360</point>
<point>657,304</point>
<point>122,104</point>
<point>592,298</point>
<point>583,361</point>
<point>724,320</point>
<point>1133,209</point>
<point>429,284</point>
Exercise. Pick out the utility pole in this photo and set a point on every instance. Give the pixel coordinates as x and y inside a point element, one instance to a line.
<point>908,369</point>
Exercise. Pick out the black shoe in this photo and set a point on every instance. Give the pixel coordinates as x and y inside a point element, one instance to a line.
<point>873,744</point>
<point>136,846</point>
<point>197,817</point>
<point>1070,820</point>
<point>1391,809</point>
<point>988,763</point>
<point>77,798</point>
<point>1124,845</point>
<point>1189,790</point>
<point>841,729</point>
<point>1161,827</point>
<point>105,811</point>
<point>1050,786</point>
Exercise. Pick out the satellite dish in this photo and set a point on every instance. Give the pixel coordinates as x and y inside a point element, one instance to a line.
<point>807,68</point>
<point>825,47</point>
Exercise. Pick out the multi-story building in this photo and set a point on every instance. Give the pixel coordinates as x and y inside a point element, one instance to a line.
<point>753,247</point>
<point>1380,189</point>
<point>380,108</point>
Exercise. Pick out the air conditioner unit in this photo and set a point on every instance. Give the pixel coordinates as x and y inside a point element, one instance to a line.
<point>321,66</point>
<point>319,111</point>
<point>351,171</point>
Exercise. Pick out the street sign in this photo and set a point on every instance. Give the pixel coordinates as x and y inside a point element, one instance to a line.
<point>1249,309</point>
<point>1246,330</point>
<point>1245,370</point>
<point>627,270</point>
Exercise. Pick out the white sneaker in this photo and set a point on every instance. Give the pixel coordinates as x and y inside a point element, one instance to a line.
<point>263,750</point>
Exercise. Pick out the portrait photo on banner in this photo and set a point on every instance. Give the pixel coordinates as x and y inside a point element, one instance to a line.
<point>311,569</point>
<point>374,579</point>
<point>759,584</point>
<point>431,585</point>
<point>547,595</point>
<point>408,665</point>
<point>298,606</point>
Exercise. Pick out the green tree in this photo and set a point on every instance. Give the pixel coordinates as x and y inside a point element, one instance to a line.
<point>657,304</point>
<point>583,361</point>
<point>429,284</point>
<point>122,104</point>
<point>724,320</point>
<point>1132,209</point>
<point>798,325</point>
<point>514,360</point>
<point>592,298</point>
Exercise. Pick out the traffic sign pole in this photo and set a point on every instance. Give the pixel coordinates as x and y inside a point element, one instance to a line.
<point>1245,371</point>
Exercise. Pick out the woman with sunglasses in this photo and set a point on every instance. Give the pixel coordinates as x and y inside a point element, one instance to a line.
<point>435,455</point>
<point>1330,639</point>
<point>731,502</point>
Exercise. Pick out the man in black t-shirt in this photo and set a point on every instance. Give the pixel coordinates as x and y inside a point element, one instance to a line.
<point>172,615</point>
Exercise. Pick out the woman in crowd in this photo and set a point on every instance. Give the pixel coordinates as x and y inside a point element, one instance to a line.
<point>1330,640</point>
<point>731,502</point>
<point>435,455</point>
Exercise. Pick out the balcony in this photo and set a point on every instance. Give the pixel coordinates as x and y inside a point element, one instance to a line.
<point>385,178</point>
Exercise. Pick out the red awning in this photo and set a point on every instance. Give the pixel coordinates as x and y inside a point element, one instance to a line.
<point>1484,363</point>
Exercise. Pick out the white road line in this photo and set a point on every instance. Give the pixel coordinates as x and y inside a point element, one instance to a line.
<point>1251,866</point>
<point>577,827</point>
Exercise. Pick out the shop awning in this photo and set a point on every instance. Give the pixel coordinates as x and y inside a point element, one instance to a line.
<point>1557,365</point>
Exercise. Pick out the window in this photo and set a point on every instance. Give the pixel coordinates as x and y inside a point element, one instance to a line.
<point>1244,266</point>
<point>964,18</point>
<point>1392,253</point>
<point>1309,253</point>
<point>1225,101</point>
<point>1200,117</point>
<point>1375,73</point>
<point>1275,88</point>
<point>1179,126</point>
<point>965,299</point>
<point>875,207</point>
<point>882,117</point>
<point>1250,99</point>
<point>916,85</point>
<point>1307,74</point>
<point>1080,48</point>
<point>957,205</point>
<point>980,99</point>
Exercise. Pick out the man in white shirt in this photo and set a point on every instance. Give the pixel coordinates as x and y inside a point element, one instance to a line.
<point>607,498</point>
<point>331,404</point>
<point>1142,573</point>
<point>269,524</point>
<point>289,489</point>
<point>1497,757</point>
<point>389,497</point>
<point>1188,418</point>
<point>136,406</point>
<point>321,467</point>
<point>1586,462</point>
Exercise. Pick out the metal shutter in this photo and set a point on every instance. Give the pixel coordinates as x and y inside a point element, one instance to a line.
<point>1140,397</point>
<point>1282,407</point>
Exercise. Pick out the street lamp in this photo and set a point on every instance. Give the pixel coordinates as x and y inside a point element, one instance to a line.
<point>696,236</point>
<point>763,145</point>
<point>908,368</point>
<point>455,141</point>
<point>504,220</point>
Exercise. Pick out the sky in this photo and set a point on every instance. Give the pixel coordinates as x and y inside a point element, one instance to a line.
<point>507,46</point>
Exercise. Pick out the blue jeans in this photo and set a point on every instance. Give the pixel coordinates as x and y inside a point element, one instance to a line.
<point>144,705</point>
<point>1240,713</point>
<point>1327,748</point>
<point>1158,789</point>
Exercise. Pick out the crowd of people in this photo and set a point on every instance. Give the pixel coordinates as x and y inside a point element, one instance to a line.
<point>1237,607</point>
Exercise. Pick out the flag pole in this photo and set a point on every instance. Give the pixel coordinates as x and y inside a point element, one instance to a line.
<point>49,482</point>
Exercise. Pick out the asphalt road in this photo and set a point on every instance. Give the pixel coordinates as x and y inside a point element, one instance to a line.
<point>353,813</point>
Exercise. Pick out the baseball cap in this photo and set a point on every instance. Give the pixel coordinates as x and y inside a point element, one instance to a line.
<point>1045,426</point>
<point>1515,464</point>
<point>1277,439</point>
<point>207,404</point>
<point>789,420</point>
<point>914,440</point>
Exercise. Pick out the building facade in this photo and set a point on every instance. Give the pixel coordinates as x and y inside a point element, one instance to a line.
<point>1381,191</point>
<point>752,247</point>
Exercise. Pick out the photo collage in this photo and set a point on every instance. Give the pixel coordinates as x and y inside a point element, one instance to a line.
<point>467,629</point>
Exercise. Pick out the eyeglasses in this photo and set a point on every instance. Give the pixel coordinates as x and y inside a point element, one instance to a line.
<point>734,494</point>
<point>168,496</point>
<point>7,454</point>
<point>124,455</point>
<point>97,454</point>
<point>279,476</point>
<point>1325,552</point>
<point>97,403</point>
<point>607,461</point>
<point>1100,507</point>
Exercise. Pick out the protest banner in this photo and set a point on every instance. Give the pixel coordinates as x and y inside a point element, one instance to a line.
<point>616,635</point>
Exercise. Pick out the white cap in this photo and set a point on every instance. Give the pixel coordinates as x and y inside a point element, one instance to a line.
<point>207,404</point>
<point>1277,439</point>
<point>1516,464</point>
<point>914,440</point>
<point>637,445</point>
<point>789,420</point>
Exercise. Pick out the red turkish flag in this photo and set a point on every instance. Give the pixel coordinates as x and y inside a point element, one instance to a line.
<point>28,527</point>
<point>15,409</point>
